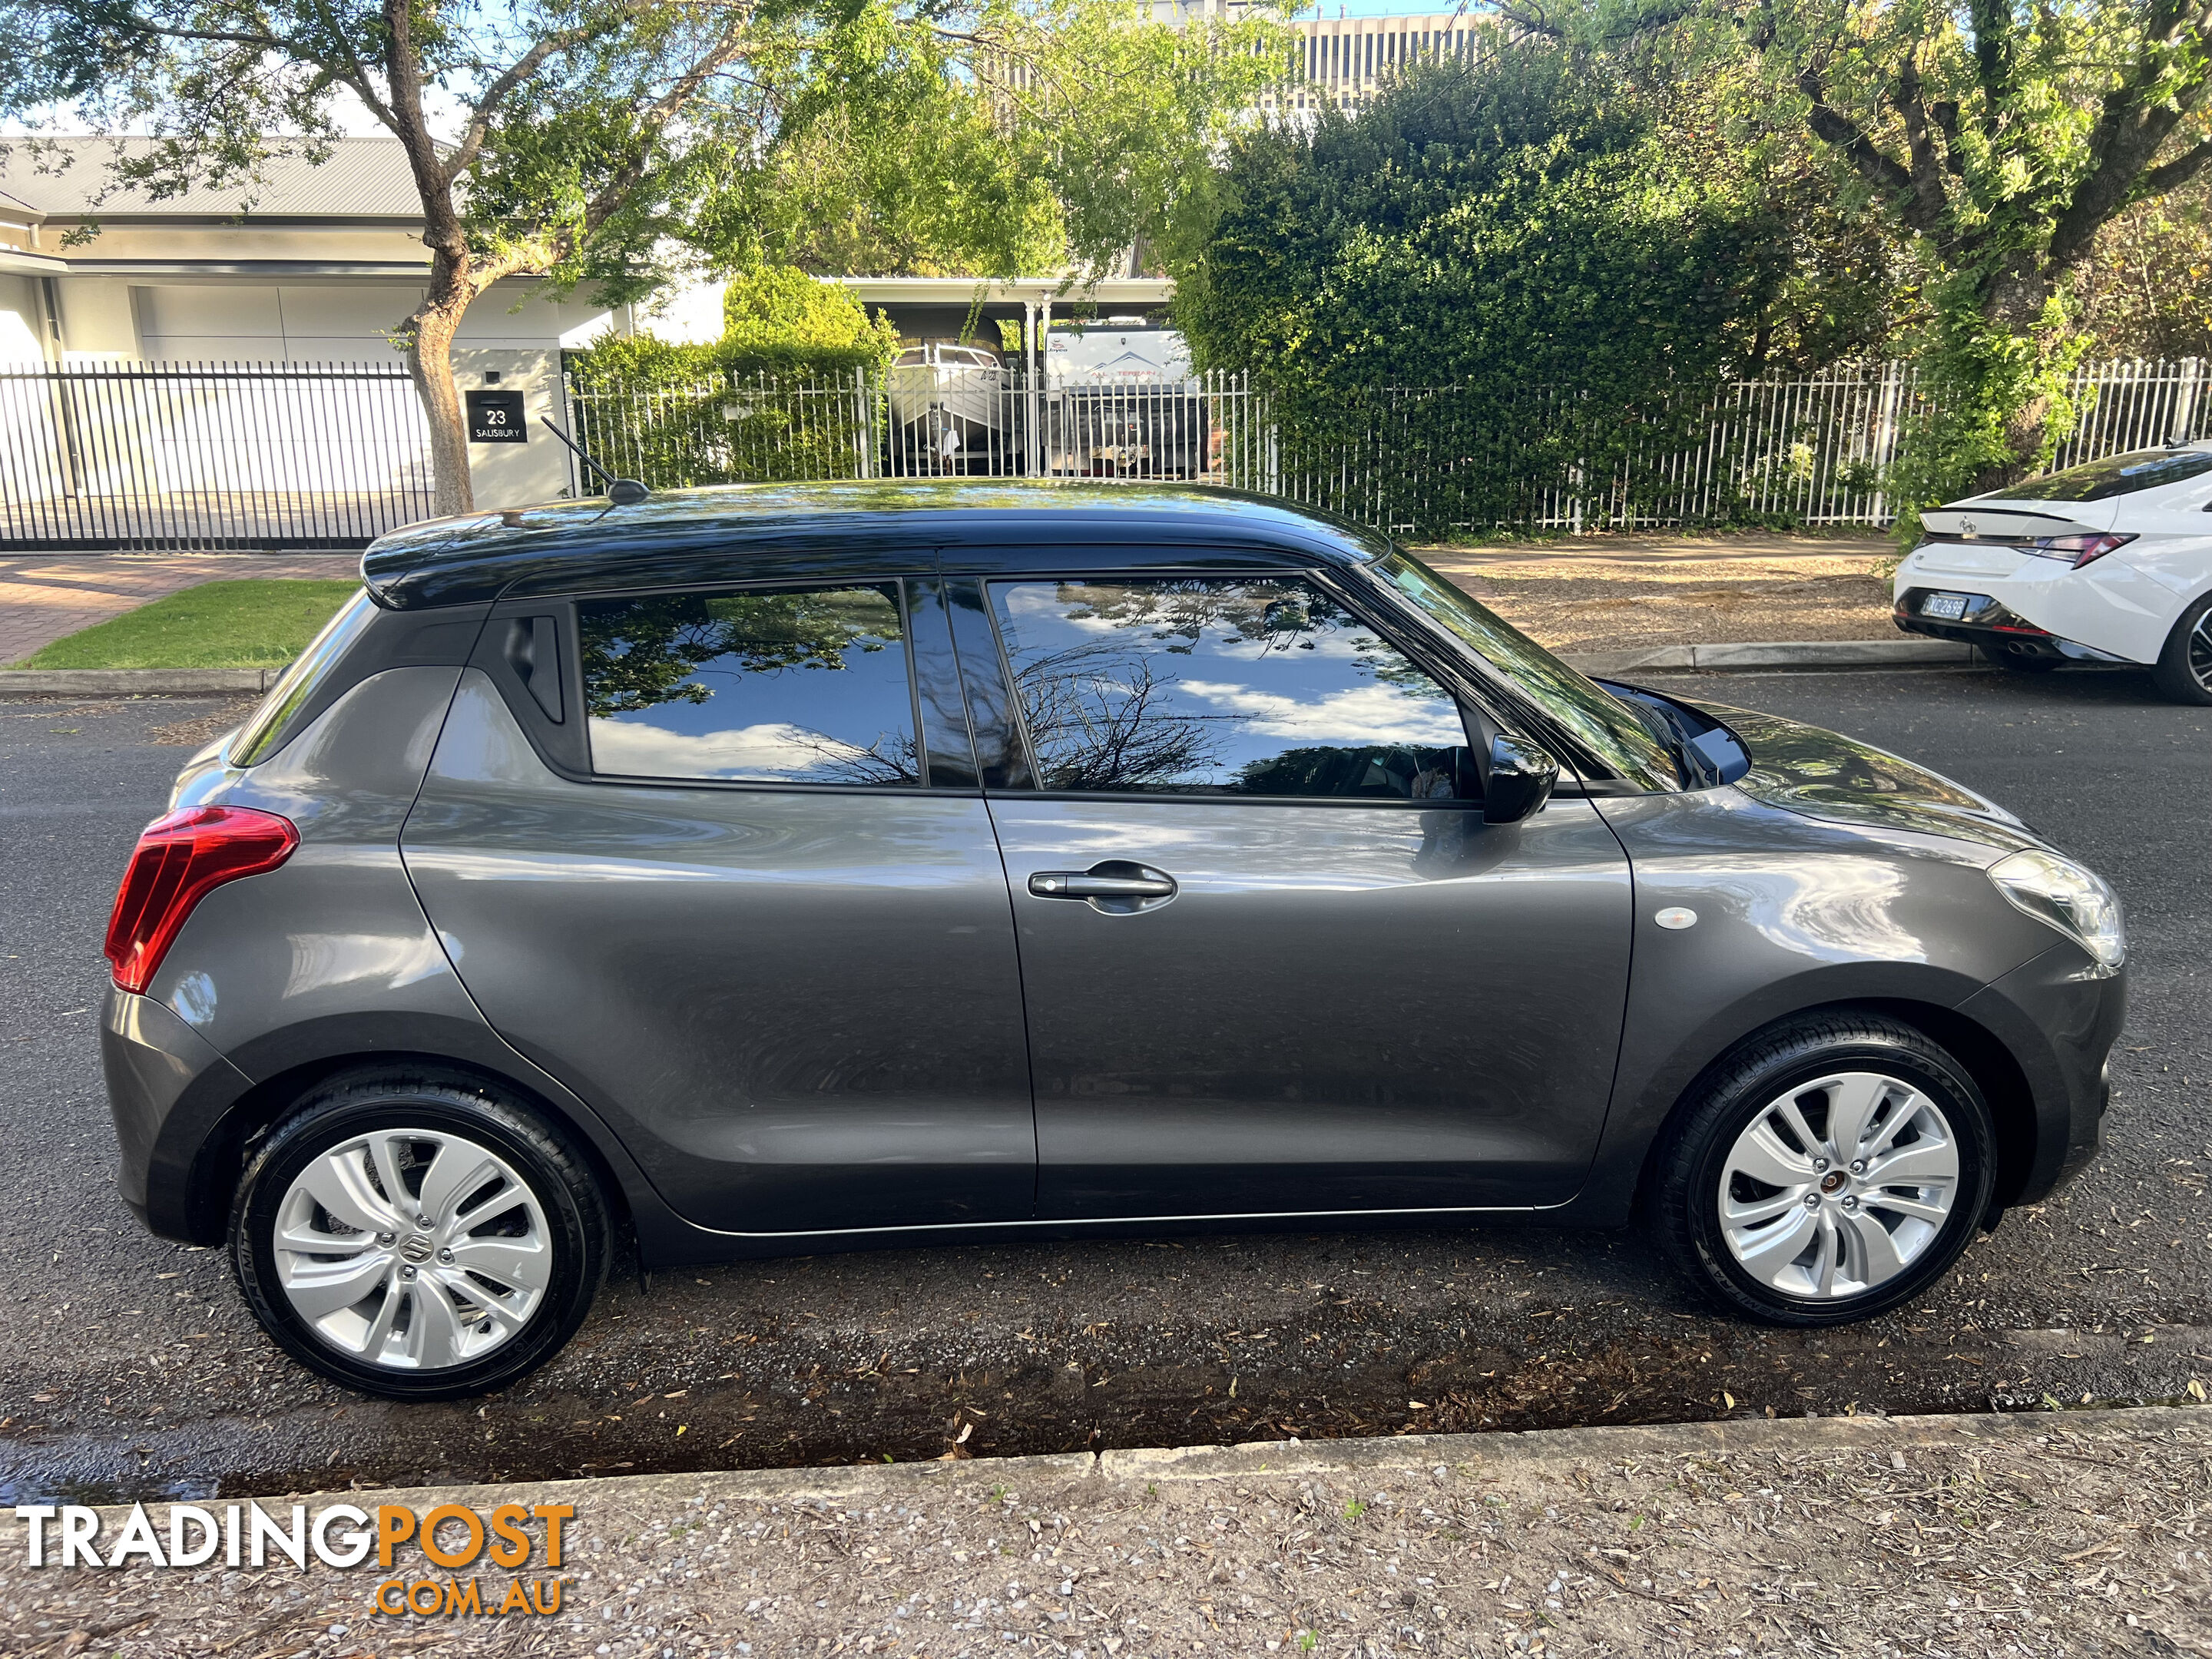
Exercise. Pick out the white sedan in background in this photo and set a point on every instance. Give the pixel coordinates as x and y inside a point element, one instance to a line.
<point>2108,562</point>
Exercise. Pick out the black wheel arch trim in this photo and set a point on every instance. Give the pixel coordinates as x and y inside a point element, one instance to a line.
<point>202,1142</point>
<point>2008,1055</point>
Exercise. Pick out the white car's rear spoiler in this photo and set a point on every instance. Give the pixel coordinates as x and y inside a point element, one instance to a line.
<point>1975,522</point>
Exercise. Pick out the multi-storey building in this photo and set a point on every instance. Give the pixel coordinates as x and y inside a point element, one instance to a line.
<point>1345,60</point>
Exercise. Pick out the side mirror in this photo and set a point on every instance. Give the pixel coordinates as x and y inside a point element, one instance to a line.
<point>1520,780</point>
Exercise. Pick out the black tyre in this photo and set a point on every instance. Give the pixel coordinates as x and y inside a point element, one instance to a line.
<point>2183,672</point>
<point>1832,1167</point>
<point>418,1238</point>
<point>2019,660</point>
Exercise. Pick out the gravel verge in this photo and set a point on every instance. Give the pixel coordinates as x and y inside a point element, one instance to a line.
<point>2074,1533</point>
<point>1612,595</point>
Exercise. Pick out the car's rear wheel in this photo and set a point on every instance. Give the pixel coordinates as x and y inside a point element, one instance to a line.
<point>2183,672</point>
<point>416,1238</point>
<point>1833,1167</point>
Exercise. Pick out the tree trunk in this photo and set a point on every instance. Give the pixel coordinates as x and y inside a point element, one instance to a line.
<point>430,330</point>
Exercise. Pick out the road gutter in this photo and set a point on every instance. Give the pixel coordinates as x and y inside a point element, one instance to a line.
<point>1734,657</point>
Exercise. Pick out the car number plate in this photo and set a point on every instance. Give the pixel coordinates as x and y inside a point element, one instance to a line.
<point>1944,607</point>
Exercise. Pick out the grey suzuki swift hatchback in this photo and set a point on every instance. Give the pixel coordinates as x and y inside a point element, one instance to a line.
<point>775,869</point>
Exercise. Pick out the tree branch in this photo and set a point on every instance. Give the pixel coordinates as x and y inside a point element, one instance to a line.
<point>1927,193</point>
<point>353,75</point>
<point>2136,117</point>
<point>1993,59</point>
<point>259,40</point>
<point>667,107</point>
<point>1945,114</point>
<point>2172,175</point>
<point>502,88</point>
<point>1530,22</point>
<point>403,74</point>
<point>1832,127</point>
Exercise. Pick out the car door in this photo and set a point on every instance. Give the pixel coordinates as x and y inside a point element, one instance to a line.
<point>2173,551</point>
<point>719,860</point>
<point>1273,958</point>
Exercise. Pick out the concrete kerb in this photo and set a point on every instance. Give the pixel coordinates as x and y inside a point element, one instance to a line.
<point>135,682</point>
<point>871,1485</point>
<point>1702,659</point>
<point>1777,653</point>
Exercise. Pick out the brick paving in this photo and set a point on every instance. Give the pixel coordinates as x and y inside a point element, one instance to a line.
<point>44,597</point>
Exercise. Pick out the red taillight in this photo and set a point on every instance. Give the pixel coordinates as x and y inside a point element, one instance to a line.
<point>2079,549</point>
<point>179,860</point>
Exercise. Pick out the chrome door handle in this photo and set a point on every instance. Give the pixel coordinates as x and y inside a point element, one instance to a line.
<point>1115,887</point>
<point>1082,885</point>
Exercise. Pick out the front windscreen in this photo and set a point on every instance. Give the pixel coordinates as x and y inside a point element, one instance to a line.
<point>1614,732</point>
<point>2116,475</point>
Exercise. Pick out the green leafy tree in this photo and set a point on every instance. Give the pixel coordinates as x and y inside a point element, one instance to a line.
<point>2146,289</point>
<point>1582,256</point>
<point>609,143</point>
<point>780,307</point>
<point>2001,137</point>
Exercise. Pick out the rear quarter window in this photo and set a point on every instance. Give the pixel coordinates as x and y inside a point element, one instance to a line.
<point>790,685</point>
<point>270,725</point>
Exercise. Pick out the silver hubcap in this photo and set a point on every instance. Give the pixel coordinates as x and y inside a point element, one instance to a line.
<point>413,1249</point>
<point>2200,650</point>
<point>1838,1186</point>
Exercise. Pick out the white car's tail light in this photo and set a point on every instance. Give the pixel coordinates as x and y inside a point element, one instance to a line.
<point>2080,549</point>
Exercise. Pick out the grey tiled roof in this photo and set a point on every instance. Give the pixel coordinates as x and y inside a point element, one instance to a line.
<point>363,178</point>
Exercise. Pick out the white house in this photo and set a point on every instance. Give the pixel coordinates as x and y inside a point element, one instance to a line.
<point>315,264</point>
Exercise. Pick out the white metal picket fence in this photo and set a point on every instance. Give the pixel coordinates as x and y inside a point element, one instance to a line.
<point>307,455</point>
<point>923,421</point>
<point>2136,405</point>
<point>1428,460</point>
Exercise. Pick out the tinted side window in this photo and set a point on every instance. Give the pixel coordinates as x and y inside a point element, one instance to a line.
<point>1224,686</point>
<point>2116,475</point>
<point>797,685</point>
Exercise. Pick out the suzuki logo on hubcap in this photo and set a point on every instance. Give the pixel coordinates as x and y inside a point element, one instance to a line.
<point>416,1248</point>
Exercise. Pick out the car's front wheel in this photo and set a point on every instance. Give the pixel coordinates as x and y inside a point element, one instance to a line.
<point>1832,1168</point>
<point>2183,672</point>
<point>416,1238</point>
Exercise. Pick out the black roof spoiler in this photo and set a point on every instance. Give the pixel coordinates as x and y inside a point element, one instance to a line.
<point>1975,521</point>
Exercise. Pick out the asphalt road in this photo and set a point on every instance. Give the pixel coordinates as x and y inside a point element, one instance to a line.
<point>129,1367</point>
